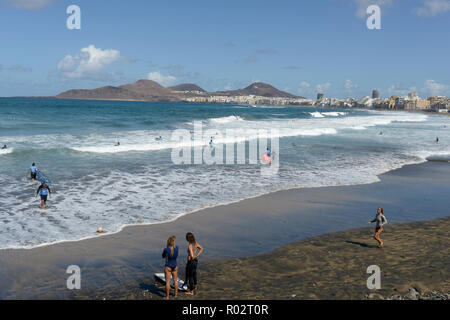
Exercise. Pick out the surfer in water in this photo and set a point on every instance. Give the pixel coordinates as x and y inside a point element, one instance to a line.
<point>44,192</point>
<point>4,147</point>
<point>33,171</point>
<point>117,144</point>
<point>170,253</point>
<point>158,138</point>
<point>380,220</point>
<point>211,142</point>
<point>437,139</point>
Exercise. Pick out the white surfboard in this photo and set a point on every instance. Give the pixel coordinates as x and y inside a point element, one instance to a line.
<point>162,279</point>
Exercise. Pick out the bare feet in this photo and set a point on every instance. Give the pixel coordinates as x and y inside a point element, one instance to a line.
<point>191,293</point>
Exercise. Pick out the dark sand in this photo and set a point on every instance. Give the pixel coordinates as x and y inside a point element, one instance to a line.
<point>332,266</point>
<point>121,265</point>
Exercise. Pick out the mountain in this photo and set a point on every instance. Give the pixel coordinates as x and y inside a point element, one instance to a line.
<point>258,89</point>
<point>107,93</point>
<point>148,90</point>
<point>187,87</point>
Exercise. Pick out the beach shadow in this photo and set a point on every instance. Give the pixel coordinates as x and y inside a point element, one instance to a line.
<point>152,288</point>
<point>361,244</point>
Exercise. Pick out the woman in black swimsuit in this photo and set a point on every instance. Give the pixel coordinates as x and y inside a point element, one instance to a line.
<point>194,250</point>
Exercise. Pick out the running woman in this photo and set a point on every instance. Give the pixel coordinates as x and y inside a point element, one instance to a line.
<point>380,220</point>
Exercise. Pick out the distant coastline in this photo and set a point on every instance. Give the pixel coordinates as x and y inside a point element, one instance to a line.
<point>257,93</point>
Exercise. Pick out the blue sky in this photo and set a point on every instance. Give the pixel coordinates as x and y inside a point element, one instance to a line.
<point>299,46</point>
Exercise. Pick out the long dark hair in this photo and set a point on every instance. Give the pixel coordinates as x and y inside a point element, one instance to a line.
<point>381,209</point>
<point>190,238</point>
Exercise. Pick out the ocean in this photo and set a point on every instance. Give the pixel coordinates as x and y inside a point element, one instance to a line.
<point>97,184</point>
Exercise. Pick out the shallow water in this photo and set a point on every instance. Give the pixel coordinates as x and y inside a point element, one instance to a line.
<point>98,184</point>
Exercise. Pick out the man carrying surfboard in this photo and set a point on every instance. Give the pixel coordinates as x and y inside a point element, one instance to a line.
<point>43,191</point>
<point>33,171</point>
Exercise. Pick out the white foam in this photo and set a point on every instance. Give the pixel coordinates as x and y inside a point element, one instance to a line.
<point>6,151</point>
<point>334,114</point>
<point>162,193</point>
<point>143,141</point>
<point>225,119</point>
<point>316,115</point>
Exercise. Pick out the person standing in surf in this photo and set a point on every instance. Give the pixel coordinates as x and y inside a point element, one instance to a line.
<point>380,220</point>
<point>44,192</point>
<point>170,253</point>
<point>194,250</point>
<point>33,171</point>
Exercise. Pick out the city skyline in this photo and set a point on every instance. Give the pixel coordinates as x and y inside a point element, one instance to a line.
<point>301,48</point>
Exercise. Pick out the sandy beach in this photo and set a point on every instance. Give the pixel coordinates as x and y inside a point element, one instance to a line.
<point>414,264</point>
<point>121,265</point>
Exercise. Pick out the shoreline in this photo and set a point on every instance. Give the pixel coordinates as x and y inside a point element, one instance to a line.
<point>248,227</point>
<point>324,267</point>
<point>181,215</point>
<point>428,112</point>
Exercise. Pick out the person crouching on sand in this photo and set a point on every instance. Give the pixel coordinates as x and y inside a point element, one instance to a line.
<point>194,250</point>
<point>170,253</point>
<point>380,219</point>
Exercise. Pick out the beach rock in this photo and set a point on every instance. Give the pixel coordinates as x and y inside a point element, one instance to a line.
<point>396,297</point>
<point>375,296</point>
<point>412,294</point>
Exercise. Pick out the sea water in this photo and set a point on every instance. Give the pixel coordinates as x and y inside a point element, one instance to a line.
<point>97,184</point>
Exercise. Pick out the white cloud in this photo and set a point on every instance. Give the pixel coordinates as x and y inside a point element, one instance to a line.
<point>304,88</point>
<point>350,86</point>
<point>399,89</point>
<point>161,79</point>
<point>433,7</point>
<point>321,88</point>
<point>89,63</point>
<point>28,4</point>
<point>434,88</point>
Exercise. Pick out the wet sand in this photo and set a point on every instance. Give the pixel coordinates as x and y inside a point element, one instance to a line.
<point>332,266</point>
<point>121,265</point>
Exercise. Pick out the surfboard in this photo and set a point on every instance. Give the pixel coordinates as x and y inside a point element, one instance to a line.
<point>42,177</point>
<point>266,157</point>
<point>159,277</point>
